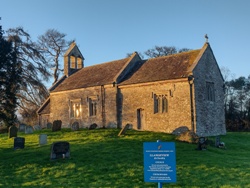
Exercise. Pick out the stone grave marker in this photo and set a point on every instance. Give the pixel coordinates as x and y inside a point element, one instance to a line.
<point>202,143</point>
<point>217,141</point>
<point>42,139</point>
<point>22,127</point>
<point>49,125</point>
<point>75,126</point>
<point>57,125</point>
<point>29,129</point>
<point>37,127</point>
<point>93,126</point>
<point>19,143</point>
<point>60,150</point>
<point>124,129</point>
<point>112,125</point>
<point>13,131</point>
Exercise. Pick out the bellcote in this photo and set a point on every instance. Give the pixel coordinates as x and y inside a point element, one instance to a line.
<point>73,60</point>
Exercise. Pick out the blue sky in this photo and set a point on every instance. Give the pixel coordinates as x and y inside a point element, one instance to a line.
<point>107,30</point>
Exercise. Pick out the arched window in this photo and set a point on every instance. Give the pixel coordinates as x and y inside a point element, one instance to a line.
<point>72,62</point>
<point>79,63</point>
<point>92,107</point>
<point>156,103</point>
<point>210,94</point>
<point>160,104</point>
<point>164,104</point>
<point>75,108</point>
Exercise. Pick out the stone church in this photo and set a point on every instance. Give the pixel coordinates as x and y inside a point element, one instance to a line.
<point>162,94</point>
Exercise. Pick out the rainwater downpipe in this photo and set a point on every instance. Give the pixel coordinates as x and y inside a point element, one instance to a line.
<point>191,82</point>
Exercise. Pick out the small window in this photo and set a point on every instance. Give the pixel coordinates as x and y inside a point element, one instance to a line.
<point>92,107</point>
<point>75,109</point>
<point>72,62</point>
<point>164,104</point>
<point>160,103</point>
<point>79,63</point>
<point>156,104</point>
<point>210,94</point>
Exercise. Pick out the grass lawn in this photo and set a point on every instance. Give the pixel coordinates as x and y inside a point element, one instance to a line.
<point>99,158</point>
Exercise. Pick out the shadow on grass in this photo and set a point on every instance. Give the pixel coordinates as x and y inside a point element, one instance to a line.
<point>99,158</point>
<point>94,163</point>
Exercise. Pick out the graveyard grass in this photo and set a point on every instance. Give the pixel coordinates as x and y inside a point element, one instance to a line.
<point>99,158</point>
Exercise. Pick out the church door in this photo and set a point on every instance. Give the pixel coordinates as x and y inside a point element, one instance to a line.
<point>140,118</point>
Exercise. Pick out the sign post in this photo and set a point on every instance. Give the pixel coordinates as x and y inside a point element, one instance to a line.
<point>159,162</point>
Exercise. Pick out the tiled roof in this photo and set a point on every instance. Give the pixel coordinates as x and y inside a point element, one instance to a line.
<point>163,68</point>
<point>96,75</point>
<point>155,69</point>
<point>45,107</point>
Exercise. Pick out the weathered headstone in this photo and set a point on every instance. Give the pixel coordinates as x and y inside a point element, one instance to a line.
<point>29,129</point>
<point>42,139</point>
<point>75,126</point>
<point>202,143</point>
<point>37,127</point>
<point>57,125</point>
<point>217,141</point>
<point>22,127</point>
<point>13,131</point>
<point>49,125</point>
<point>92,126</point>
<point>188,136</point>
<point>112,125</point>
<point>124,129</point>
<point>60,150</point>
<point>19,143</point>
<point>178,131</point>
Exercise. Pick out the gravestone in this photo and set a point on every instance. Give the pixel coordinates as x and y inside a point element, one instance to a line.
<point>202,143</point>
<point>49,125</point>
<point>37,127</point>
<point>75,126</point>
<point>13,131</point>
<point>112,125</point>
<point>180,130</point>
<point>22,127</point>
<point>57,125</point>
<point>60,150</point>
<point>42,139</point>
<point>29,129</point>
<point>92,126</point>
<point>217,141</point>
<point>124,129</point>
<point>19,143</point>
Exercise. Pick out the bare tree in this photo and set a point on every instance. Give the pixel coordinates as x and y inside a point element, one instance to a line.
<point>159,51</point>
<point>53,44</point>
<point>34,72</point>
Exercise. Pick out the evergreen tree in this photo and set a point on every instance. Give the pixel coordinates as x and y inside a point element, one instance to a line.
<point>35,72</point>
<point>10,71</point>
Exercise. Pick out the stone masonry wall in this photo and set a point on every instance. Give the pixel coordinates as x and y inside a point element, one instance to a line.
<point>60,106</point>
<point>210,116</point>
<point>209,119</point>
<point>141,97</point>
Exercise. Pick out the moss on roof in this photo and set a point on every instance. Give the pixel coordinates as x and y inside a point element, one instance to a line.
<point>155,69</point>
<point>163,68</point>
<point>95,75</point>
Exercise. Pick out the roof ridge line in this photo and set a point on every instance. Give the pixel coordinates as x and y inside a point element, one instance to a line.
<point>122,73</point>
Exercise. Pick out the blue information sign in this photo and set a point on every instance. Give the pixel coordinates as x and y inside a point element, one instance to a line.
<point>159,162</point>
